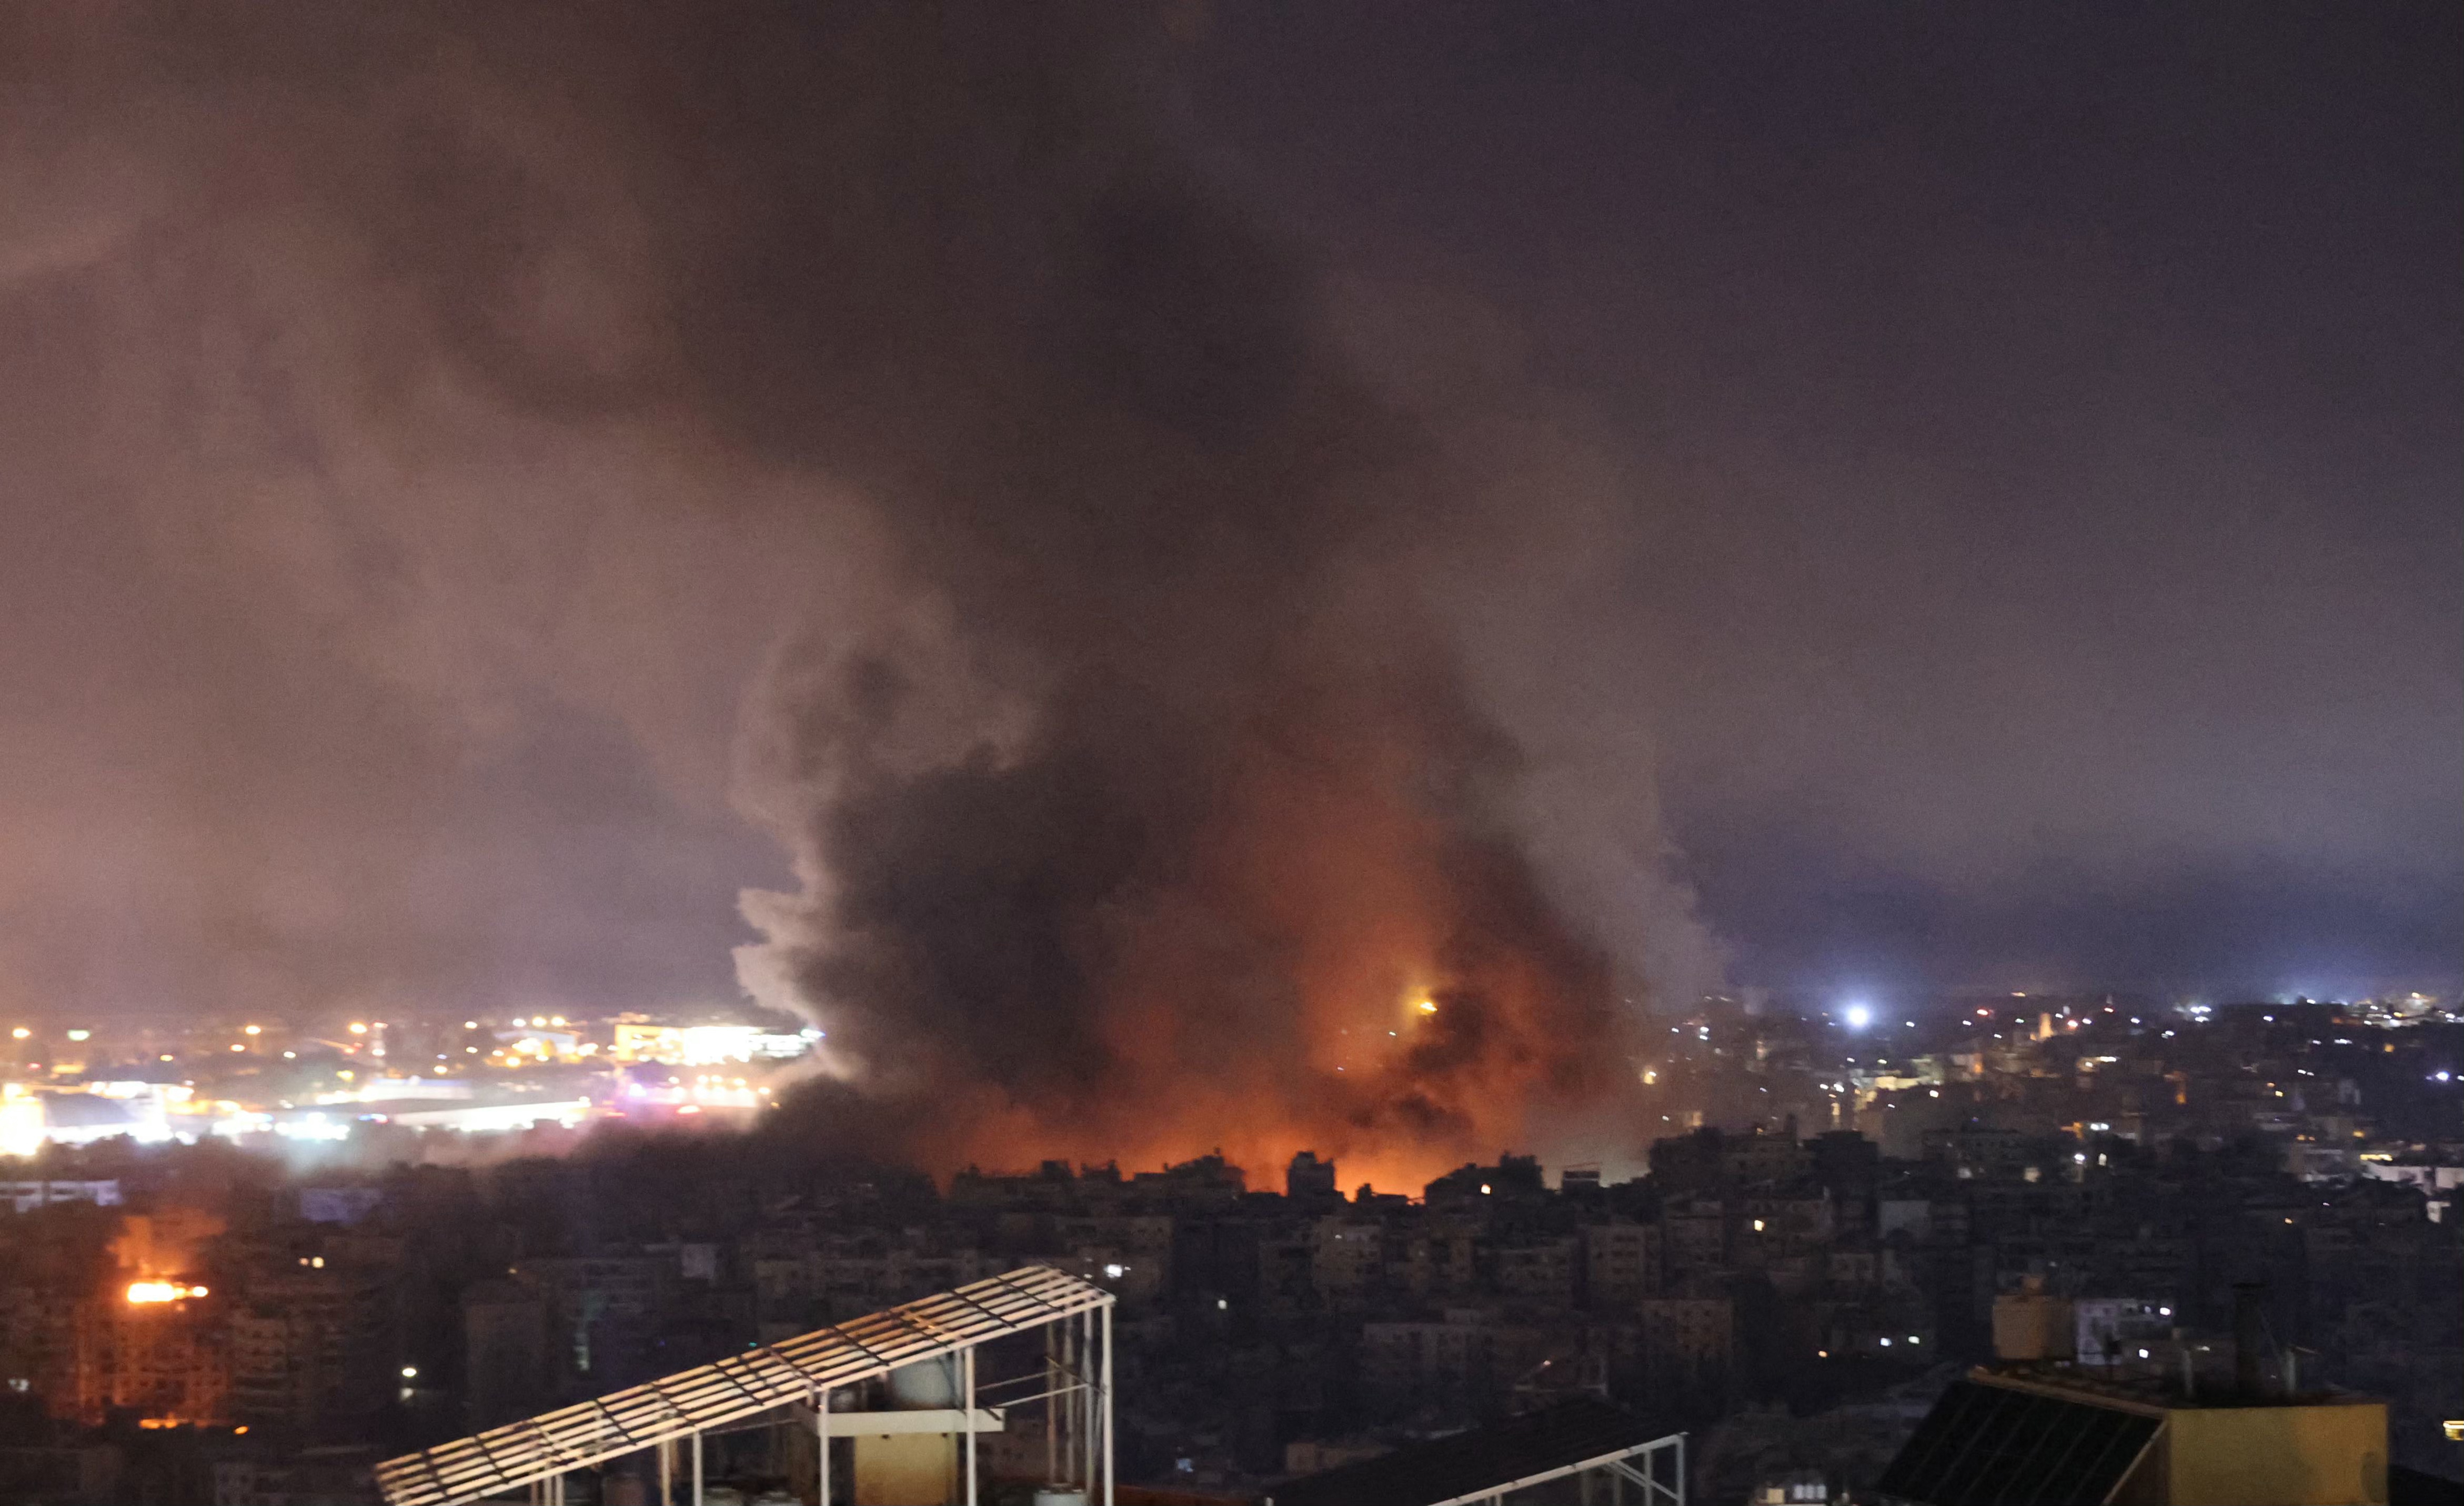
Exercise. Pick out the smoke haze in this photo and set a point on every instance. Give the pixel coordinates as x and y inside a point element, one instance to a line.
<point>864,421</point>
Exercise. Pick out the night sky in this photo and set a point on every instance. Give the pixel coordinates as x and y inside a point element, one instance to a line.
<point>1946,496</point>
<point>2042,431</point>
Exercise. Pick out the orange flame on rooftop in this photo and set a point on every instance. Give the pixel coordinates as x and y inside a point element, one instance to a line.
<point>141,1293</point>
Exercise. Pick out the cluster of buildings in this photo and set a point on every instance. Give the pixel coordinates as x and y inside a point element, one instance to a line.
<point>1796,1288</point>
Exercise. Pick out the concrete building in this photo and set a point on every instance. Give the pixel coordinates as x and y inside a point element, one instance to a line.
<point>504,1328</point>
<point>2057,1436</point>
<point>1688,1342</point>
<point>1620,1263</point>
<point>313,1352</point>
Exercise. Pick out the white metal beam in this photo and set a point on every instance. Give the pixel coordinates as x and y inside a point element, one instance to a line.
<point>1490,1493</point>
<point>737,1389</point>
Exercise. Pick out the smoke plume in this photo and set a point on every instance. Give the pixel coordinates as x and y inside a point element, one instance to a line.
<point>1111,704</point>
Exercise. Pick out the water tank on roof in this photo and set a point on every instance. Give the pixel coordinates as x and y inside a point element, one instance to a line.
<point>926,1386</point>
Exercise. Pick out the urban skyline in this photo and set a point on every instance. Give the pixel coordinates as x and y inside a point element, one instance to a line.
<point>1770,695</point>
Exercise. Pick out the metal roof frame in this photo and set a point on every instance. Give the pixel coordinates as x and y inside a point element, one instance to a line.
<point>1578,1436</point>
<point>735,1388</point>
<point>1618,1462</point>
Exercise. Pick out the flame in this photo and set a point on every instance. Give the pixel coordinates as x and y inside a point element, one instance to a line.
<point>1423,999</point>
<point>140,1293</point>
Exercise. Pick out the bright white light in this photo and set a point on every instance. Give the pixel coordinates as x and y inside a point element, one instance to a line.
<point>1114,1272</point>
<point>1858,1017</point>
<point>410,1372</point>
<point>142,1293</point>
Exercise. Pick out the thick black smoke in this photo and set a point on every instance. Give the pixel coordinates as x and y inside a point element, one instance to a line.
<point>1137,798</point>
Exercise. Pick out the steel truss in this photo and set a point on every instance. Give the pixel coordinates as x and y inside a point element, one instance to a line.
<point>536,1454</point>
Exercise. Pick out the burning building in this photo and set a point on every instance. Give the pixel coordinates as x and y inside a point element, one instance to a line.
<point>155,1349</point>
<point>149,1339</point>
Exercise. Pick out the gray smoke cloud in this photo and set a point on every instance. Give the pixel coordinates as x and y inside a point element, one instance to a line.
<point>872,413</point>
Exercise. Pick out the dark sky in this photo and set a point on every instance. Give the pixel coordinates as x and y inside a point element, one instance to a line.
<point>2046,440</point>
<point>1999,507</point>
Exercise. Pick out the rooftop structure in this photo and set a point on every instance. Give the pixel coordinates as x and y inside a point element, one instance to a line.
<point>1582,1437</point>
<point>2019,1436</point>
<point>783,1383</point>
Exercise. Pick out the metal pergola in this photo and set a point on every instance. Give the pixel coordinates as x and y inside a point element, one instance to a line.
<point>1578,1452</point>
<point>1656,1469</point>
<point>795,1378</point>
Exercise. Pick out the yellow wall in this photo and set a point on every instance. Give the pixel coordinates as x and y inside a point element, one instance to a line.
<point>906,1469</point>
<point>2277,1455</point>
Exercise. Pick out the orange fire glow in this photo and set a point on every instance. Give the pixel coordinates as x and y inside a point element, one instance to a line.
<point>1421,1003</point>
<point>141,1293</point>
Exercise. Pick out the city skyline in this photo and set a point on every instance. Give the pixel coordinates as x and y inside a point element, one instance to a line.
<point>882,752</point>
